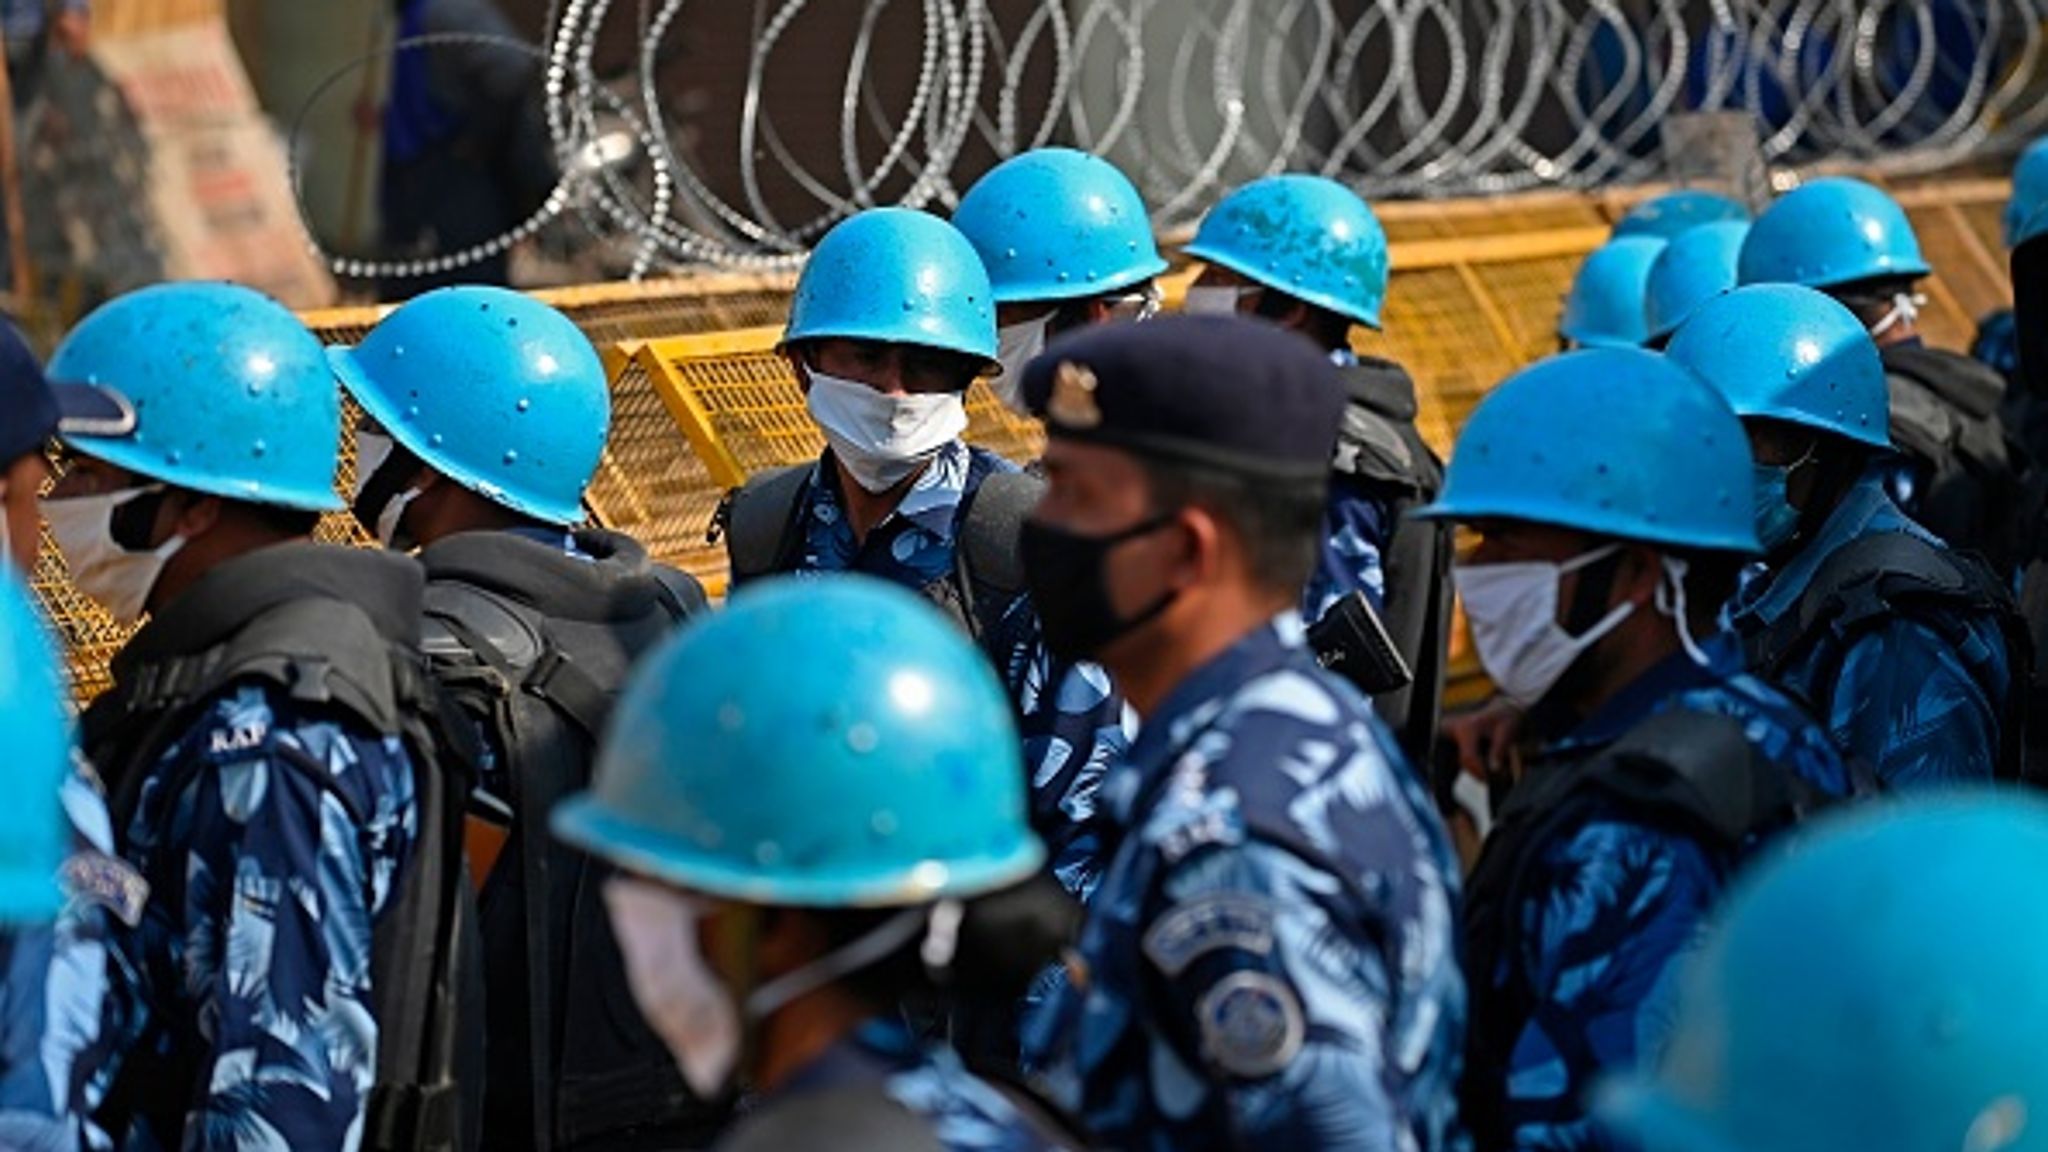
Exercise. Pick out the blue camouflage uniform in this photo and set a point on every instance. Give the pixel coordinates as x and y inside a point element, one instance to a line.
<point>1920,707</point>
<point>1997,343</point>
<point>54,1056</point>
<point>1271,956</point>
<point>965,1113</point>
<point>1599,925</point>
<point>1358,521</point>
<point>1070,716</point>
<point>1361,512</point>
<point>273,837</point>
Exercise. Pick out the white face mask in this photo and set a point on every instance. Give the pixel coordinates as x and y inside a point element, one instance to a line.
<point>372,450</point>
<point>1212,300</point>
<point>682,999</point>
<point>394,511</point>
<point>1016,344</point>
<point>1905,309</point>
<point>1513,612</point>
<point>881,440</point>
<point>119,580</point>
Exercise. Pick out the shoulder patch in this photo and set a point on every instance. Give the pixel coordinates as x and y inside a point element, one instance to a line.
<point>112,883</point>
<point>1251,1025</point>
<point>1231,921</point>
<point>242,736</point>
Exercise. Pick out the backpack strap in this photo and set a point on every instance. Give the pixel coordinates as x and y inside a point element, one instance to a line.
<point>1876,579</point>
<point>681,595</point>
<point>989,564</point>
<point>511,641</point>
<point>422,978</point>
<point>1701,768</point>
<point>1865,583</point>
<point>758,520</point>
<point>505,645</point>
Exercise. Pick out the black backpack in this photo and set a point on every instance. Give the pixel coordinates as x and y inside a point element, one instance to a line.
<point>762,537</point>
<point>1870,582</point>
<point>534,646</point>
<point>1379,442</point>
<point>316,623</point>
<point>1693,773</point>
<point>1947,415</point>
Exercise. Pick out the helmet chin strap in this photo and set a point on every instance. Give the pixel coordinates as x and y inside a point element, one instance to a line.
<point>853,956</point>
<point>1905,309</point>
<point>1670,601</point>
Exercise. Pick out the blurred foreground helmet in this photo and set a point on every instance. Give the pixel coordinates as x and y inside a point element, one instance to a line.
<point>821,742</point>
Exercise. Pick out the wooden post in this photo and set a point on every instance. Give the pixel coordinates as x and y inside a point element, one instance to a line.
<point>10,192</point>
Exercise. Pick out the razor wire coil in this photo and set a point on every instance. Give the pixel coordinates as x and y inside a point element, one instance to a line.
<point>1398,98</point>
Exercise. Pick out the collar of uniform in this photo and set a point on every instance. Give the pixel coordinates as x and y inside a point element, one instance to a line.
<point>1864,510</point>
<point>1672,676</point>
<point>386,585</point>
<point>930,504</point>
<point>1195,701</point>
<point>558,538</point>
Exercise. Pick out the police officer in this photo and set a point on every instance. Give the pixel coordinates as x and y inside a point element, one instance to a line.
<point>892,320</point>
<point>49,933</point>
<point>53,950</point>
<point>1873,989</point>
<point>1592,597</point>
<point>1696,266</point>
<point>1959,476</point>
<point>806,797</point>
<point>1673,214</point>
<point>1896,643</point>
<point>1604,308</point>
<point>274,778</point>
<point>1067,243</point>
<point>1308,254</point>
<point>487,416</point>
<point>1683,272</point>
<point>1269,960</point>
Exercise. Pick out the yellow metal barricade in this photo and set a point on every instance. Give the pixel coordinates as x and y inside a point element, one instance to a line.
<point>701,400</point>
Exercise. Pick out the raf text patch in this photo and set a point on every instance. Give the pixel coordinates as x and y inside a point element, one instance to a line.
<point>1211,924</point>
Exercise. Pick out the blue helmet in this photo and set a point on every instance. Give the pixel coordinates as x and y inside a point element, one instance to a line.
<point>1787,353</point>
<point>2026,213</point>
<point>231,393</point>
<point>898,276</point>
<point>1693,269</point>
<point>1056,224</point>
<point>1675,213</point>
<point>821,742</point>
<point>1876,984</point>
<point>497,391</point>
<point>1831,232</point>
<point>1612,441</point>
<point>37,727</point>
<point>1307,236</point>
<point>1605,307</point>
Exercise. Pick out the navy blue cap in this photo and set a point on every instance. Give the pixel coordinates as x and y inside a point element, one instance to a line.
<point>1238,395</point>
<point>32,409</point>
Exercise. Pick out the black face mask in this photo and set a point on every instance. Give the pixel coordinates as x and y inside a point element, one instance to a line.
<point>1065,573</point>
